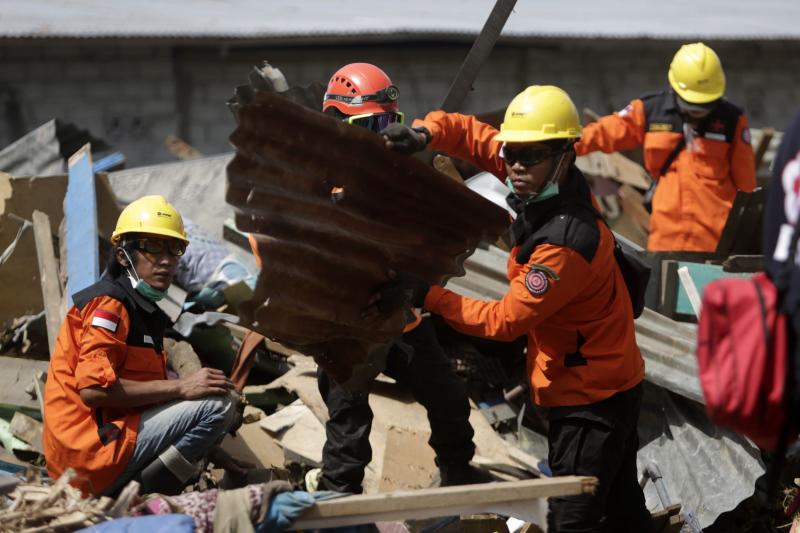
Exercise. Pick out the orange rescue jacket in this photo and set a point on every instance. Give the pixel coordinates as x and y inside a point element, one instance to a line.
<point>695,194</point>
<point>567,292</point>
<point>110,333</point>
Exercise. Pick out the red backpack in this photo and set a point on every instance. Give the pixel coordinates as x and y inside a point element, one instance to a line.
<point>743,358</point>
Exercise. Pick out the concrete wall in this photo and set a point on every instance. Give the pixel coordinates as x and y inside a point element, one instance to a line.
<point>134,95</point>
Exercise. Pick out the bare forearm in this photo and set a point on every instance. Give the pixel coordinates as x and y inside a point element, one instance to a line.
<point>131,393</point>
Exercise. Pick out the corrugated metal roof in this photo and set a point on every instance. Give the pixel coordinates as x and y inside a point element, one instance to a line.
<point>259,19</point>
<point>335,211</point>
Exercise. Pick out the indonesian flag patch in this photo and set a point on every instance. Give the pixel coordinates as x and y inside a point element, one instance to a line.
<point>105,319</point>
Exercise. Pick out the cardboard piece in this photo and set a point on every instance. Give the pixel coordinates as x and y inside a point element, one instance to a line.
<point>253,444</point>
<point>27,430</point>
<point>284,418</point>
<point>303,441</point>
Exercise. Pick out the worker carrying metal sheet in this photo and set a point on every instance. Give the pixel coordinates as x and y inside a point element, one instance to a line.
<point>696,147</point>
<point>567,294</point>
<point>364,96</point>
<point>110,412</point>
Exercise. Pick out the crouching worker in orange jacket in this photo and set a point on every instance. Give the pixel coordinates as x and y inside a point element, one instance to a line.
<point>567,294</point>
<point>696,148</point>
<point>110,413</point>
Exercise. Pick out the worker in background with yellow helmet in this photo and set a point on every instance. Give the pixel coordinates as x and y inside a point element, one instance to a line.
<point>567,295</point>
<point>696,147</point>
<point>110,413</point>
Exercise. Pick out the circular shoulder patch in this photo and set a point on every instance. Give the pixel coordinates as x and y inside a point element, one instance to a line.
<point>536,282</point>
<point>746,135</point>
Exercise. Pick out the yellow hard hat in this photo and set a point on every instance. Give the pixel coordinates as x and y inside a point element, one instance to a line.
<point>696,74</point>
<point>540,113</point>
<point>150,214</point>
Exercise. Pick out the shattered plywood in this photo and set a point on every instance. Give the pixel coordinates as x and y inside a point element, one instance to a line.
<point>328,252</point>
<point>27,430</point>
<point>254,445</point>
<point>20,197</point>
<point>302,442</point>
<point>17,374</point>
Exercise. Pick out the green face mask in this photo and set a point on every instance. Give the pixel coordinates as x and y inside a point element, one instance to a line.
<point>550,190</point>
<point>147,290</point>
<point>141,286</point>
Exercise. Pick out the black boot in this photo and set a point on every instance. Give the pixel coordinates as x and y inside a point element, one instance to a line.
<point>463,474</point>
<point>156,477</point>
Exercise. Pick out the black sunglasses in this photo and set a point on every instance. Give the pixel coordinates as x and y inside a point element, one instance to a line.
<point>528,156</point>
<point>175,247</point>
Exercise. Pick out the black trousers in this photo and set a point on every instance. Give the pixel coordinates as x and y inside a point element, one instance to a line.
<point>600,440</point>
<point>429,375</point>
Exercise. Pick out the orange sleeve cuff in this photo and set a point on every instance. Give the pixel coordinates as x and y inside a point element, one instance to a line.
<point>431,126</point>
<point>94,369</point>
<point>435,294</point>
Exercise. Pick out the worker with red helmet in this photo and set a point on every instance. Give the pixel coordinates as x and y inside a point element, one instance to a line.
<point>363,95</point>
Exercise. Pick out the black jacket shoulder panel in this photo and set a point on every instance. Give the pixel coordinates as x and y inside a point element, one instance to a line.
<point>104,287</point>
<point>661,113</point>
<point>724,119</point>
<point>572,227</point>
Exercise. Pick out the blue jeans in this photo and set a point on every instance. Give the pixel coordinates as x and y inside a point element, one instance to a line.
<point>192,426</point>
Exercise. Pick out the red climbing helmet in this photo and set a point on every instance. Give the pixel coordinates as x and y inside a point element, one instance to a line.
<point>361,88</point>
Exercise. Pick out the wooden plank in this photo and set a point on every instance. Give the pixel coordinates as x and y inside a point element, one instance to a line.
<point>27,430</point>
<point>477,55</point>
<point>48,275</point>
<point>80,212</point>
<point>766,137</point>
<point>445,501</point>
<point>744,263</point>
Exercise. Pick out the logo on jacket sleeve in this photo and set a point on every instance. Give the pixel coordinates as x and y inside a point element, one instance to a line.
<point>537,280</point>
<point>106,320</point>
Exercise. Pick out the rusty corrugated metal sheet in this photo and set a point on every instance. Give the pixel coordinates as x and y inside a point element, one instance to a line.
<point>335,211</point>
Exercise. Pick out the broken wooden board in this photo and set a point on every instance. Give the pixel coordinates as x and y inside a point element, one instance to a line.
<point>445,501</point>
<point>668,520</point>
<point>27,430</point>
<point>615,166</point>
<point>284,418</point>
<point>302,381</point>
<point>408,461</point>
<point>252,414</point>
<point>17,373</point>
<point>48,275</point>
<point>21,196</point>
<point>303,441</point>
<point>254,445</point>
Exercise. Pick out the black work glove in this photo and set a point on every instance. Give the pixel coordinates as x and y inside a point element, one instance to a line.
<point>402,289</point>
<point>401,138</point>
